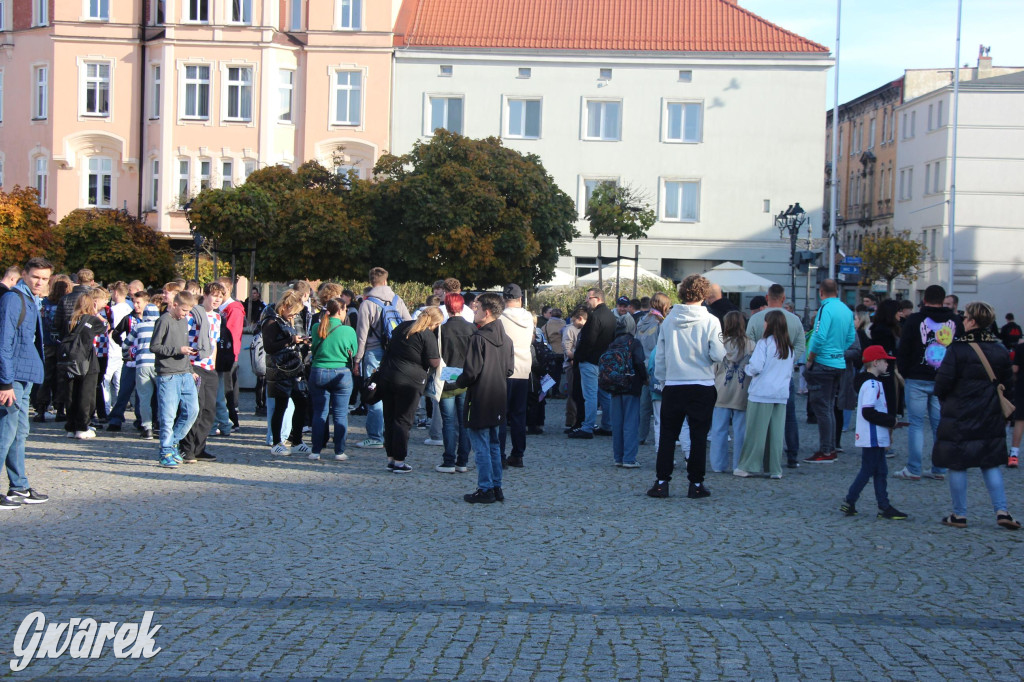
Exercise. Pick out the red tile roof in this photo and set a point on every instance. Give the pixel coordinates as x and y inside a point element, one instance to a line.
<point>638,25</point>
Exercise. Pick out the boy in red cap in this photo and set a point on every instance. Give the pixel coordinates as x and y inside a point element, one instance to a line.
<point>874,426</point>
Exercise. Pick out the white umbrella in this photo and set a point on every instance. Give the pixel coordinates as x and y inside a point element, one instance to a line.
<point>732,277</point>
<point>625,272</point>
<point>559,279</point>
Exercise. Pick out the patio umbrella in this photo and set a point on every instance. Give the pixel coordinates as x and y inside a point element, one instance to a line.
<point>626,272</point>
<point>732,277</point>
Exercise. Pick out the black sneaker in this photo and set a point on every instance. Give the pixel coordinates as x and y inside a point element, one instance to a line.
<point>793,463</point>
<point>400,468</point>
<point>40,418</point>
<point>602,432</point>
<point>9,503</point>
<point>658,489</point>
<point>516,462</point>
<point>698,490</point>
<point>891,513</point>
<point>113,427</point>
<point>580,433</point>
<point>848,508</point>
<point>205,456</point>
<point>147,434</point>
<point>499,496</point>
<point>480,497</point>
<point>27,496</point>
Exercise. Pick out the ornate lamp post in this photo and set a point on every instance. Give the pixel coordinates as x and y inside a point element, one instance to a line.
<point>791,220</point>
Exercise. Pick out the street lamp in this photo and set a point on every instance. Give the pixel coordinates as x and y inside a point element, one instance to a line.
<point>791,220</point>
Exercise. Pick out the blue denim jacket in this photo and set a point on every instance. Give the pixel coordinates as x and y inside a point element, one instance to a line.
<point>21,346</point>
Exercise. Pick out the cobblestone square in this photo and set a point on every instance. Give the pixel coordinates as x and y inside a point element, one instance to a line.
<point>261,567</point>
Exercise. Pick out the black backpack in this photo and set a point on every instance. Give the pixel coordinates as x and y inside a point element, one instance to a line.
<point>75,353</point>
<point>225,348</point>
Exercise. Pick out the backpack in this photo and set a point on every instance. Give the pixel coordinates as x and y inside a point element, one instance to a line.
<point>225,348</point>
<point>615,367</point>
<point>389,319</point>
<point>74,355</point>
<point>257,354</point>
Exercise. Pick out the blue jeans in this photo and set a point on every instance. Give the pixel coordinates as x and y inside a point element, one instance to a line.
<point>921,400</point>
<point>145,385</point>
<point>646,412</point>
<point>592,395</point>
<point>720,421</point>
<point>14,432</point>
<point>456,434</point>
<point>223,419</point>
<point>872,465</point>
<point>330,390</point>
<point>175,391</point>
<point>125,391</point>
<point>487,448</point>
<point>375,412</point>
<point>993,481</point>
<point>625,427</point>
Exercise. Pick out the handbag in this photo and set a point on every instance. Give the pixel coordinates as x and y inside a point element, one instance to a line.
<point>1004,403</point>
<point>435,384</point>
<point>371,392</point>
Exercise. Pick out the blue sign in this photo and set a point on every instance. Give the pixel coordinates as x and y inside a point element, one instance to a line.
<point>853,260</point>
<point>849,269</point>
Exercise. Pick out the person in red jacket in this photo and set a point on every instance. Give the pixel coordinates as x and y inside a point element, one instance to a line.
<point>232,315</point>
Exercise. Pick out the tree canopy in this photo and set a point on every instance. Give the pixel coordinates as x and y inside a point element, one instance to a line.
<point>115,245</point>
<point>619,211</point>
<point>889,258</point>
<point>26,230</point>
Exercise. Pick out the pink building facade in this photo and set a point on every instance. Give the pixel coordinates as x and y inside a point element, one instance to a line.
<point>140,104</point>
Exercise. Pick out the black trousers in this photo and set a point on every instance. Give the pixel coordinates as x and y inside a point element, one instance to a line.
<point>515,423</point>
<point>101,404</point>
<point>194,441</point>
<point>45,394</point>
<point>399,404</point>
<point>281,391</point>
<point>261,392</point>
<point>82,402</point>
<point>576,396</point>
<point>231,393</point>
<point>678,403</point>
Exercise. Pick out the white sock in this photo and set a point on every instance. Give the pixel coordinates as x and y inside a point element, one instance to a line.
<point>1014,451</point>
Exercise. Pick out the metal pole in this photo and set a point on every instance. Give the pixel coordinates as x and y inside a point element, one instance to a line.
<point>600,274</point>
<point>636,266</point>
<point>834,190</point>
<point>618,264</point>
<point>793,230</point>
<point>952,166</point>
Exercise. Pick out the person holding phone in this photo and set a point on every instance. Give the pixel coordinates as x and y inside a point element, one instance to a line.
<point>175,382</point>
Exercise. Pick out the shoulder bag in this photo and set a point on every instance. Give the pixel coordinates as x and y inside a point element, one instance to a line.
<point>1006,406</point>
<point>435,384</point>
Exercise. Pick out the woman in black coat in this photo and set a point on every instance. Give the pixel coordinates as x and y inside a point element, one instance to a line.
<point>972,430</point>
<point>286,349</point>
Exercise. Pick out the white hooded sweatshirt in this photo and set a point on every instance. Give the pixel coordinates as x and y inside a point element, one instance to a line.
<point>518,323</point>
<point>689,344</point>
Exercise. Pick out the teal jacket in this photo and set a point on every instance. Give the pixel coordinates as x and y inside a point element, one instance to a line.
<point>833,333</point>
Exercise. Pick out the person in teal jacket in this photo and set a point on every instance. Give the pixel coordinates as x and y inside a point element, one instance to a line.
<point>832,335</point>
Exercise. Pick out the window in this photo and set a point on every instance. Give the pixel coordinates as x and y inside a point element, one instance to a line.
<point>681,200</point>
<point>906,128</point>
<point>41,99</point>
<point>524,72</point>
<point>1,171</point>
<point>347,97</point>
<point>927,178</point>
<point>685,76</point>
<point>285,86</point>
<point>1,89</point>
<point>99,182</point>
<point>239,93</point>
<point>99,9</point>
<point>248,169</point>
<point>913,123</point>
<point>446,112</point>
<point>241,11</point>
<point>937,183</point>
<point>154,184</point>
<point>184,182</point>
<point>41,179</point>
<point>40,12</point>
<point>197,92</point>
<point>938,114</point>
<point>604,120</point>
<point>931,120</point>
<point>885,124</point>
<point>906,183</point>
<point>605,74</point>
<point>524,118</point>
<point>97,89</point>
<point>155,102</point>
<point>682,122</point>
<point>158,12</point>
<point>591,184</point>
<point>295,17</point>
<point>839,147</point>
<point>3,15</point>
<point>227,175</point>
<point>445,70</point>
<point>871,133</point>
<point>197,11</point>
<point>204,174</point>
<point>349,15</point>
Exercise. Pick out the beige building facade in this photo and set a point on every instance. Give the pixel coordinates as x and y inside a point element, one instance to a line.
<point>140,105</point>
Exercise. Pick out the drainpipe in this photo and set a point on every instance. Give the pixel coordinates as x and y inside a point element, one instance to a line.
<point>142,104</point>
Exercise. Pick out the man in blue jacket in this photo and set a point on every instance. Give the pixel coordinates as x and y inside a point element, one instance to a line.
<point>21,366</point>
<point>826,362</point>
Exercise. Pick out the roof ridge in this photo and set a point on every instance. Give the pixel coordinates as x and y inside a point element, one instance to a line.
<point>736,6</point>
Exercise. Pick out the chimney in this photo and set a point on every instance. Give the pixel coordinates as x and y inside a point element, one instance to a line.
<point>984,61</point>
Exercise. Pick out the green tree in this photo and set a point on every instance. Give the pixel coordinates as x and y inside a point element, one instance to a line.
<point>235,218</point>
<point>115,245</point>
<point>26,230</point>
<point>472,208</point>
<point>619,211</point>
<point>891,258</point>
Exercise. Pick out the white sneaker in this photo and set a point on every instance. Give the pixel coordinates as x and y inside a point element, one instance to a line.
<point>302,449</point>
<point>281,449</point>
<point>740,472</point>
<point>85,435</point>
<point>433,441</point>
<point>461,470</point>
<point>307,429</point>
<point>314,456</point>
<point>69,434</point>
<point>370,443</point>
<point>340,457</point>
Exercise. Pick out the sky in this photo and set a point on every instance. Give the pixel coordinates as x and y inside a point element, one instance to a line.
<point>881,38</point>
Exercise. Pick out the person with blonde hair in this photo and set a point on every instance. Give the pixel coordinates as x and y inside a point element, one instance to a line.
<point>411,354</point>
<point>286,352</point>
<point>82,389</point>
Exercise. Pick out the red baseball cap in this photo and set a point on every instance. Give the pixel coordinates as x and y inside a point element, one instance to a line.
<point>872,353</point>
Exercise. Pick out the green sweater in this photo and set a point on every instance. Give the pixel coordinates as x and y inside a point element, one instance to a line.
<point>336,351</point>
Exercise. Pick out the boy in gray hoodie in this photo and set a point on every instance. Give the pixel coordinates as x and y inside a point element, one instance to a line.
<point>175,382</point>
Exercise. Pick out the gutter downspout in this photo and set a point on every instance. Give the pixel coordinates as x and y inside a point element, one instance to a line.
<point>142,104</point>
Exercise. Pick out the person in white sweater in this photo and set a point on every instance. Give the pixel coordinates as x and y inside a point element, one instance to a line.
<point>519,327</point>
<point>689,344</point>
<point>771,367</point>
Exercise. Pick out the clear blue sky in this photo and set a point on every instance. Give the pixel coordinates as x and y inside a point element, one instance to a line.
<point>881,38</point>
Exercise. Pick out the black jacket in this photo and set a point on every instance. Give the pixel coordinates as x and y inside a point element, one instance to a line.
<point>489,364</point>
<point>972,430</point>
<point>455,336</point>
<point>925,334</point>
<point>720,307</point>
<point>596,335</point>
<point>66,309</point>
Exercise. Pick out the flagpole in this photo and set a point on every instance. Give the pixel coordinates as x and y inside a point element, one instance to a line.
<point>952,167</point>
<point>834,190</point>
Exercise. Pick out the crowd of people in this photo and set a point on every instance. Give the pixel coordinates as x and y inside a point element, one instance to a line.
<point>479,370</point>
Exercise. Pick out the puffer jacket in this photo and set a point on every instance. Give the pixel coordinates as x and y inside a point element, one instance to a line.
<point>972,430</point>
<point>21,346</point>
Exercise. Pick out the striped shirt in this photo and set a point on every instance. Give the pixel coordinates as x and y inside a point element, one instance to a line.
<point>102,343</point>
<point>193,339</point>
<point>141,335</point>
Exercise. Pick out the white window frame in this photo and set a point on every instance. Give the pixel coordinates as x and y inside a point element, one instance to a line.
<point>40,92</point>
<point>604,102</point>
<point>428,109</point>
<point>227,173</point>
<point>88,82</point>
<point>937,177</point>
<point>40,13</point>
<point>587,185</point>
<point>913,123</point>
<point>336,88</point>
<point>3,15</point>
<point>192,11</point>
<point>156,8</point>
<point>248,168</point>
<point>666,106</point>
<point>872,130</point>
<point>523,117</point>
<point>41,177</point>
<point>685,182</point>
<point>156,89</point>
<point>197,82</point>
<point>938,113</point>
<point>295,16</point>
<point>931,117</point>
<point>96,10</point>
<point>286,88</point>
<point>927,178</point>
<point>344,11</point>
<point>184,178</point>
<point>244,12</point>
<point>154,184</point>
<point>524,72</point>
<point>237,99</point>
<point>685,75</point>
<point>99,173</point>
<point>205,173</point>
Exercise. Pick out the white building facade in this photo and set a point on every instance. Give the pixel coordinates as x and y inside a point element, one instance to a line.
<point>989,234</point>
<point>719,142</point>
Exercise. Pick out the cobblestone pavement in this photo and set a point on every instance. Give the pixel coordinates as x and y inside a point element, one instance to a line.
<point>262,567</point>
